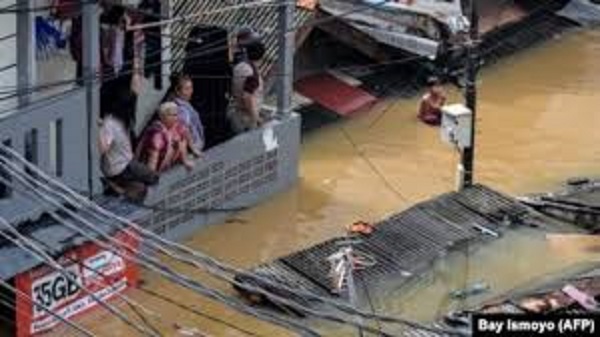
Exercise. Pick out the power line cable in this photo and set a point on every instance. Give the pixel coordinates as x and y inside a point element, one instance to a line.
<point>119,243</point>
<point>154,265</point>
<point>248,5</point>
<point>8,302</point>
<point>155,295</point>
<point>260,290</point>
<point>44,308</point>
<point>26,245</point>
<point>196,312</point>
<point>143,259</point>
<point>334,16</point>
<point>35,191</point>
<point>133,305</point>
<point>211,263</point>
<point>106,78</point>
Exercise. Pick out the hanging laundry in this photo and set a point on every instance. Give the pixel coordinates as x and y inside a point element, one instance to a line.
<point>49,38</point>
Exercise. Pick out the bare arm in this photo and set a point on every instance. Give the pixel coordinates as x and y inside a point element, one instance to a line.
<point>104,141</point>
<point>438,103</point>
<point>153,161</point>
<point>103,146</point>
<point>250,107</point>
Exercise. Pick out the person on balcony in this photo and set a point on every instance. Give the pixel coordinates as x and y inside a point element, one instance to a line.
<point>151,11</point>
<point>164,142</point>
<point>245,36</point>
<point>247,91</point>
<point>183,90</point>
<point>124,174</point>
<point>430,111</point>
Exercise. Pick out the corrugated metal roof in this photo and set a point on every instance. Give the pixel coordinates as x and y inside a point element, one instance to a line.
<point>406,244</point>
<point>264,19</point>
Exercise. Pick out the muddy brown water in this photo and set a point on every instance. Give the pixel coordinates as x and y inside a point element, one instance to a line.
<point>539,115</point>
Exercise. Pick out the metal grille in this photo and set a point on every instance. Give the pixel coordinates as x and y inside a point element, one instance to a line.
<point>406,243</point>
<point>214,186</point>
<point>264,19</point>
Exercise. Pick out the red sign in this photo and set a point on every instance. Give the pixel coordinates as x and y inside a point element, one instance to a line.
<point>102,272</point>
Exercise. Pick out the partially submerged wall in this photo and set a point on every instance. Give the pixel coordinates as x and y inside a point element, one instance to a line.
<point>237,174</point>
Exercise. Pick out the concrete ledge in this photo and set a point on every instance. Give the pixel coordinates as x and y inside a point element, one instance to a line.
<point>237,174</point>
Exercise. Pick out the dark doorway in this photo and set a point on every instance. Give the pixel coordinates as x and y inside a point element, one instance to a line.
<point>207,62</point>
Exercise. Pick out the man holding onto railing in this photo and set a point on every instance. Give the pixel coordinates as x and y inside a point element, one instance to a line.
<point>247,91</point>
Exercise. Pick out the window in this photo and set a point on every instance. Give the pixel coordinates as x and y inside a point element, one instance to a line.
<point>5,191</point>
<point>56,147</point>
<point>31,148</point>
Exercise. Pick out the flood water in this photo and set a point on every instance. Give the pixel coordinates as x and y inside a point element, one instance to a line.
<point>538,125</point>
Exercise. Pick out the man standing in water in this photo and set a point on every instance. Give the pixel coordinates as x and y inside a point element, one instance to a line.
<point>430,111</point>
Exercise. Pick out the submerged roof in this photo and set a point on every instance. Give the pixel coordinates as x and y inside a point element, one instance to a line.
<point>406,243</point>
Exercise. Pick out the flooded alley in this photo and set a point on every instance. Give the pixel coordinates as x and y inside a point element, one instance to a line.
<point>538,123</point>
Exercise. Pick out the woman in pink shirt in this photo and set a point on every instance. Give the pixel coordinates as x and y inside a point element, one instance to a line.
<point>164,143</point>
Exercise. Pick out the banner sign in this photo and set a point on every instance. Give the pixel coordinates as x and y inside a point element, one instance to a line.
<point>100,271</point>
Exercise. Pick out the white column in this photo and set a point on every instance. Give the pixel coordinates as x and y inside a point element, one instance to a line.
<point>26,63</point>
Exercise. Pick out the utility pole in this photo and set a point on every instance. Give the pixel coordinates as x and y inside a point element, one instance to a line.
<point>91,61</point>
<point>285,80</point>
<point>468,154</point>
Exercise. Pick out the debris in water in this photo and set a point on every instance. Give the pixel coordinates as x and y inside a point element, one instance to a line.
<point>458,319</point>
<point>472,290</point>
<point>237,220</point>
<point>580,297</point>
<point>189,332</point>
<point>486,231</point>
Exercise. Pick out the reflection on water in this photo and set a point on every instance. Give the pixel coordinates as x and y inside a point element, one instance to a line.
<point>537,125</point>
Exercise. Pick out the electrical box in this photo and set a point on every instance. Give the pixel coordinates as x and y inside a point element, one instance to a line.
<point>456,125</point>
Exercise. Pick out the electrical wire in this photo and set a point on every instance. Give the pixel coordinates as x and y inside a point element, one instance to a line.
<point>20,9</point>
<point>157,295</point>
<point>66,82</point>
<point>44,308</point>
<point>360,8</point>
<point>143,259</point>
<point>372,166</point>
<point>249,5</point>
<point>540,8</point>
<point>133,305</point>
<point>26,245</point>
<point>210,264</point>
<point>154,265</point>
<point>203,53</point>
<point>274,296</point>
<point>72,214</point>
<point>7,37</point>
<point>371,304</point>
<point>197,312</point>
<point>105,78</point>
<point>8,302</point>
